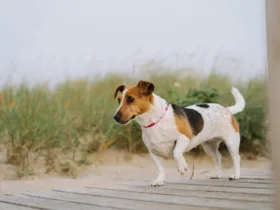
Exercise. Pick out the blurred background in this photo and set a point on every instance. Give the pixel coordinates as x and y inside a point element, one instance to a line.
<point>62,60</point>
<point>52,40</point>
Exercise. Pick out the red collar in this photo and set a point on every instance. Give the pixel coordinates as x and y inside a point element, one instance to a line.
<point>154,123</point>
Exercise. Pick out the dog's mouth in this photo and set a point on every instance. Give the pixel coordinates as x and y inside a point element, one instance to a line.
<point>126,122</point>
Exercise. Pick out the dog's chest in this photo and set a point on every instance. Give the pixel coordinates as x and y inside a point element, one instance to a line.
<point>161,138</point>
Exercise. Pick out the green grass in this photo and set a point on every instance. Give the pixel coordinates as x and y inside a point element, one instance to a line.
<point>77,115</point>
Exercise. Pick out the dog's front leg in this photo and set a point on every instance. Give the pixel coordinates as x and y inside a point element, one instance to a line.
<point>160,180</point>
<point>181,145</point>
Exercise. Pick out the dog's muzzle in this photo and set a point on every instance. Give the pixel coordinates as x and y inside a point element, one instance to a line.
<point>117,118</point>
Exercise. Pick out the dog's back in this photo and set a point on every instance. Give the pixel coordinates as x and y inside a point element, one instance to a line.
<point>218,121</point>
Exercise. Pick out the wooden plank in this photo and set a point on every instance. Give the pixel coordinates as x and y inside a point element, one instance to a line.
<point>266,173</point>
<point>224,184</point>
<point>108,202</point>
<point>240,181</point>
<point>260,181</point>
<point>273,55</point>
<point>207,188</point>
<point>256,177</point>
<point>191,201</point>
<point>245,179</point>
<point>6,206</point>
<point>45,204</point>
<point>184,193</point>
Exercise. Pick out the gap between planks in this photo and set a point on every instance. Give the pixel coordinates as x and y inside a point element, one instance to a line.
<point>184,193</point>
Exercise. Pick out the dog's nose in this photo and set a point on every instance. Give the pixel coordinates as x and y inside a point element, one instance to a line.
<point>117,117</point>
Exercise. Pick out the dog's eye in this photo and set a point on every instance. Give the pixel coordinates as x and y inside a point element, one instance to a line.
<point>129,99</point>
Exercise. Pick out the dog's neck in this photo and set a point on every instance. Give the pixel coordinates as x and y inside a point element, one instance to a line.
<point>157,110</point>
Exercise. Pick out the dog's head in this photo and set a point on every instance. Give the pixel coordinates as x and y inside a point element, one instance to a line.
<point>133,101</point>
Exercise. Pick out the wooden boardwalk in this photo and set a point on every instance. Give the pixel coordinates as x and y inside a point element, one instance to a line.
<point>254,191</point>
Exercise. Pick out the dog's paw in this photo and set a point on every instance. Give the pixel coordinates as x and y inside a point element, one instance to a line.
<point>215,176</point>
<point>182,166</point>
<point>157,182</point>
<point>233,177</point>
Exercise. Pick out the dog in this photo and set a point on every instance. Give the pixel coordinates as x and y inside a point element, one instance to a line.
<point>169,130</point>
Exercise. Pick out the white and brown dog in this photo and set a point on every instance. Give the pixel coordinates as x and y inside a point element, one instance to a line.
<point>169,130</point>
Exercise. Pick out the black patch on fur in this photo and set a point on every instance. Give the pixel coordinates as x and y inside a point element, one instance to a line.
<point>194,117</point>
<point>203,105</point>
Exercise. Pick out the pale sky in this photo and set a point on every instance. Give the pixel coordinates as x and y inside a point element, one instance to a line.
<point>52,39</point>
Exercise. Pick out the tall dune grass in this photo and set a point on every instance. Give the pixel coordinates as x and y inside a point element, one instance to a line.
<point>76,116</point>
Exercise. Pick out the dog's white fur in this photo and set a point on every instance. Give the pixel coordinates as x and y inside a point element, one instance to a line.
<point>160,138</point>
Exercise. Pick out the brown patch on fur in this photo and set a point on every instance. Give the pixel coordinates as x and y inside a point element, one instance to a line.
<point>189,122</point>
<point>184,126</point>
<point>119,89</point>
<point>141,102</point>
<point>143,98</point>
<point>235,124</point>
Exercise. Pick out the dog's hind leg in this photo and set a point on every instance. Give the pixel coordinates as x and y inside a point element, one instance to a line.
<point>233,142</point>
<point>181,146</point>
<point>211,148</point>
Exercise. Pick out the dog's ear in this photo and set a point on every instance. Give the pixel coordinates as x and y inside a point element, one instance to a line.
<point>146,87</point>
<point>119,89</point>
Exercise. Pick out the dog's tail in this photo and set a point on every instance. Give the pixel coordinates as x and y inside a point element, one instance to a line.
<point>239,102</point>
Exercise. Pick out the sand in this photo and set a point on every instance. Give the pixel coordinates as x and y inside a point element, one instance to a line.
<point>112,166</point>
